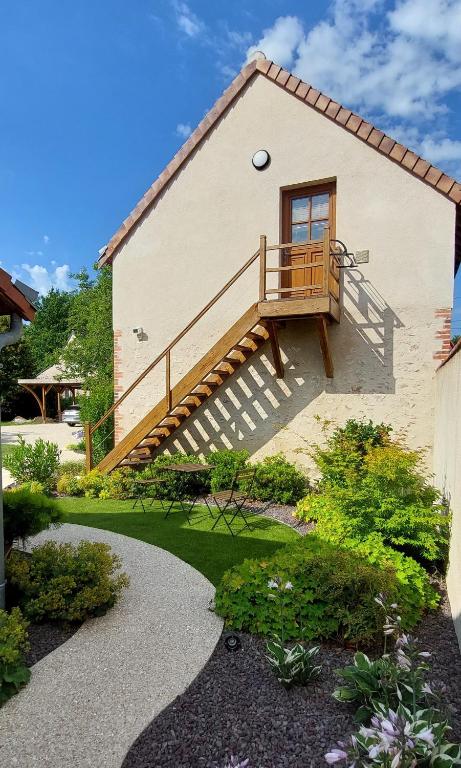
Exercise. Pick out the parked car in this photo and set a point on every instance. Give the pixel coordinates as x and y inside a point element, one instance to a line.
<point>71,415</point>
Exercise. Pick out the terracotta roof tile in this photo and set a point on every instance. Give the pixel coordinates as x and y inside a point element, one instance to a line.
<point>302,89</point>
<point>333,109</point>
<point>312,96</point>
<point>292,83</point>
<point>322,102</point>
<point>398,152</point>
<point>314,99</point>
<point>343,116</point>
<point>386,145</point>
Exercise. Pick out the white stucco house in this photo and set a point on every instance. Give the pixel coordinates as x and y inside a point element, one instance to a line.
<point>222,339</point>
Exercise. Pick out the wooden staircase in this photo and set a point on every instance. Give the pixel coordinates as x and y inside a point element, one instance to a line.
<point>318,299</point>
<point>241,341</point>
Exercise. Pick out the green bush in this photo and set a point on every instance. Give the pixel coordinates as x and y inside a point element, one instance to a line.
<point>175,485</point>
<point>13,645</point>
<point>342,459</point>
<point>26,514</point>
<point>69,485</point>
<point>37,461</point>
<point>225,465</point>
<point>333,591</point>
<point>72,467</point>
<point>66,582</point>
<point>390,497</point>
<point>278,480</point>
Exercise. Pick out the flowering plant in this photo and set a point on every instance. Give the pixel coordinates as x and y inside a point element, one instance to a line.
<point>399,739</point>
<point>292,666</point>
<point>395,678</point>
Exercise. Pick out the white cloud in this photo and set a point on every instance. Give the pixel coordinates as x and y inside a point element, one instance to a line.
<point>187,21</point>
<point>280,41</point>
<point>43,280</point>
<point>183,130</point>
<point>390,65</point>
<point>46,239</point>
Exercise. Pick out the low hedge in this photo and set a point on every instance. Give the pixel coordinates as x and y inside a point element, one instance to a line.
<point>26,514</point>
<point>65,582</point>
<point>333,591</point>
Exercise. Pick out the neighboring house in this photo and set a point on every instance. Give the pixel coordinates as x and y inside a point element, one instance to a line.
<point>357,341</point>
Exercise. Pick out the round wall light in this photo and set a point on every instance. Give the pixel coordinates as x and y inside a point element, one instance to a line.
<point>261,159</point>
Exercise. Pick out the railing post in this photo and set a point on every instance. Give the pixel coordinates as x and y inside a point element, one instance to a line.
<point>88,446</point>
<point>326,261</point>
<point>168,378</point>
<point>262,267</point>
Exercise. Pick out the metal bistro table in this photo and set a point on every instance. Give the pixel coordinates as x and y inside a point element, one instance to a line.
<point>187,506</point>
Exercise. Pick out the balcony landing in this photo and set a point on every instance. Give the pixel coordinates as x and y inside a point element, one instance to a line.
<point>280,309</point>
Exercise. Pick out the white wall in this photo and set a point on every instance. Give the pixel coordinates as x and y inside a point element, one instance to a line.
<point>208,222</point>
<point>447,468</point>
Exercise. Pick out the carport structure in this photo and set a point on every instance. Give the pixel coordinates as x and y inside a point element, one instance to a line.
<point>53,378</point>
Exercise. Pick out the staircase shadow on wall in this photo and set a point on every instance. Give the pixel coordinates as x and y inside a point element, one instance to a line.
<point>253,407</point>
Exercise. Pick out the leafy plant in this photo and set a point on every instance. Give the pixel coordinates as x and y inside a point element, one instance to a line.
<point>342,459</point>
<point>391,497</point>
<point>235,762</point>
<point>13,645</point>
<point>26,514</point>
<point>71,467</point>
<point>225,464</point>
<point>278,480</point>
<point>37,461</point>
<point>292,666</point>
<point>334,597</point>
<point>66,582</point>
<point>69,485</point>
<point>399,739</point>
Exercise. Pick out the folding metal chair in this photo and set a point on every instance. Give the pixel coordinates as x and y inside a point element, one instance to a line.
<point>153,482</point>
<point>233,500</point>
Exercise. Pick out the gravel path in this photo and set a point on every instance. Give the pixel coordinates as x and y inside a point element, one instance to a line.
<point>236,706</point>
<point>89,699</point>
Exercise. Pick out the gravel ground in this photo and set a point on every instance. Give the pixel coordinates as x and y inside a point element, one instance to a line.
<point>45,638</point>
<point>235,706</point>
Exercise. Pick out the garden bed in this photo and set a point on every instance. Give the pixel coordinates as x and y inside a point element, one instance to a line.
<point>236,706</point>
<point>45,638</point>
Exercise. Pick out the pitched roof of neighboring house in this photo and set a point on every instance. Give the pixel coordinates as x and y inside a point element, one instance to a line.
<point>314,99</point>
<point>13,300</point>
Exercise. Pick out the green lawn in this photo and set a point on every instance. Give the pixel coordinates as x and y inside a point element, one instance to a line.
<point>211,552</point>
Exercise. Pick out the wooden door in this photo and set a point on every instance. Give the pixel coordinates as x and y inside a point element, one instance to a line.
<point>306,213</point>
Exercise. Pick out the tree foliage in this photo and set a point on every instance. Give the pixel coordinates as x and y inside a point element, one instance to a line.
<point>47,336</point>
<point>16,362</point>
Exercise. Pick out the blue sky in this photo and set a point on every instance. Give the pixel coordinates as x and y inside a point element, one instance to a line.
<point>95,98</point>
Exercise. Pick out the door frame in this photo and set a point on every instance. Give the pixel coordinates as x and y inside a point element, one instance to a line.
<point>286,195</point>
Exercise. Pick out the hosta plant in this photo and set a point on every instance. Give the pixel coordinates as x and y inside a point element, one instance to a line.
<point>293,666</point>
<point>395,678</point>
<point>235,762</point>
<point>399,739</point>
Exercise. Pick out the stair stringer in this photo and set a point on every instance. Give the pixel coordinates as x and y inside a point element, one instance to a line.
<point>181,390</point>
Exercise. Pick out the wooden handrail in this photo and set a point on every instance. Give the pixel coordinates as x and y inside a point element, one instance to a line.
<point>176,339</point>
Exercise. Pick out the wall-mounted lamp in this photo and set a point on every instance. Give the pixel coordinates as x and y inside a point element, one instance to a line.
<point>139,333</point>
<point>261,159</point>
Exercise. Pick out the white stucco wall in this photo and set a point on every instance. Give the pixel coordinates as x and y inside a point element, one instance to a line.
<point>447,468</point>
<point>206,225</point>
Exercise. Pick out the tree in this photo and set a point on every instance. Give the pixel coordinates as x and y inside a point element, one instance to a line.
<point>90,354</point>
<point>16,363</point>
<point>47,336</point>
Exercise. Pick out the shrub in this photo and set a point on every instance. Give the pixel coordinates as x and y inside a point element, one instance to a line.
<point>334,589</point>
<point>77,447</point>
<point>13,645</point>
<point>66,582</point>
<point>332,596</point>
<point>37,461</point>
<point>278,480</point>
<point>69,485</point>
<point>347,446</point>
<point>390,497</point>
<point>176,484</point>
<point>225,465</point>
<point>72,467</point>
<point>26,514</point>
<point>119,484</point>
<point>33,487</point>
